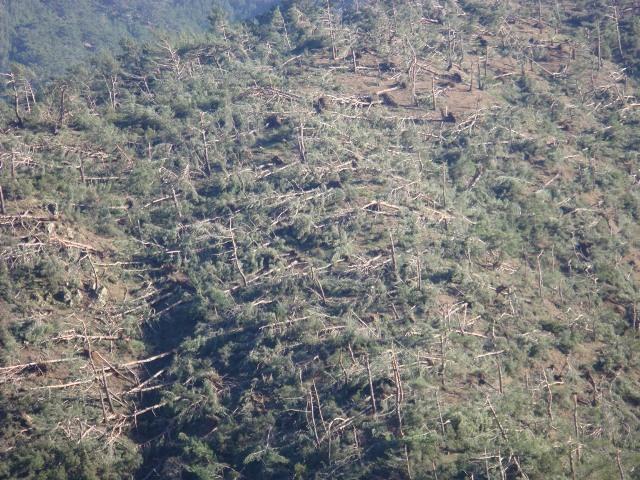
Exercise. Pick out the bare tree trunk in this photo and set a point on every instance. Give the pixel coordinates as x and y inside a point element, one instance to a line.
<point>440,414</point>
<point>540,26</point>
<point>315,391</point>
<point>236,260</point>
<point>301,146</point>
<point>286,33</point>
<point>355,440</point>
<point>413,74</point>
<point>540,285</point>
<point>313,419</point>
<point>332,33</point>
<point>486,62</point>
<point>16,100</point>
<point>444,187</point>
<point>203,132</point>
<point>106,389</point>
<point>406,457</point>
<point>503,473</point>
<point>576,429</point>
<point>444,193</point>
<point>394,260</point>
<point>571,466</point>
<point>317,280</point>
<point>61,112</point>
<point>26,95</point>
<point>176,202</point>
<point>575,417</point>
<point>112,86</point>
<point>599,46</point>
<point>619,463</point>
<point>450,47</point>
<point>82,176</point>
<point>2,206</point>
<point>371,391</point>
<point>399,391</point>
<point>433,93</point>
<point>29,95</point>
<point>495,417</point>
<point>617,22</point>
<point>471,77</point>
<point>443,359</point>
<point>549,396</point>
<point>486,465</point>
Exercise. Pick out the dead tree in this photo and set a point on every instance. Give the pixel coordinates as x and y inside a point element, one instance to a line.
<point>413,73</point>
<point>619,464</point>
<point>503,432</point>
<point>302,149</point>
<point>540,24</point>
<point>471,77</point>
<point>433,93</point>
<point>399,391</point>
<point>175,63</point>
<point>371,390</point>
<point>112,87</point>
<point>451,45</point>
<point>236,260</point>
<point>332,32</point>
<point>616,21</point>
<point>394,259</point>
<point>599,45</point>
<point>540,284</point>
<point>443,357</point>
<point>572,467</point>
<point>203,132</point>
<point>278,16</point>
<point>576,429</point>
<point>549,395</point>
<point>13,82</point>
<point>61,109</point>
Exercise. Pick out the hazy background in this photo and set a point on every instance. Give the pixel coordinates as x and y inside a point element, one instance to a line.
<point>48,36</point>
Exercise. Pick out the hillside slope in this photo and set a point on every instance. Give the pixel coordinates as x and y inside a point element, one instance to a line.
<point>393,240</point>
<point>51,36</point>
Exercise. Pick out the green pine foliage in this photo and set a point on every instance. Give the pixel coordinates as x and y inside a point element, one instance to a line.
<point>51,36</point>
<point>323,273</point>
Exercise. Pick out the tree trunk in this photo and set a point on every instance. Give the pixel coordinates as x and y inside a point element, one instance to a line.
<point>371,391</point>
<point>16,101</point>
<point>2,207</point>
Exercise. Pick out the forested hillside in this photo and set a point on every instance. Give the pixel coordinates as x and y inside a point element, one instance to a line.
<point>50,36</point>
<point>362,240</point>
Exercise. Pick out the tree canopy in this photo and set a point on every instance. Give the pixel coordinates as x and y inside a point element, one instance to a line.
<point>361,240</point>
